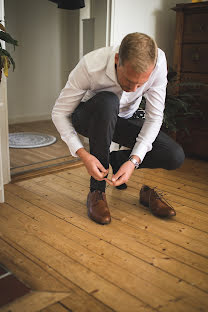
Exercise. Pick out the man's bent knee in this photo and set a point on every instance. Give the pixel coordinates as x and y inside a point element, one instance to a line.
<point>108,95</point>
<point>176,158</point>
<point>107,103</point>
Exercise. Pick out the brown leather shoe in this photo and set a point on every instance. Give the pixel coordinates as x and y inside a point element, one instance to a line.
<point>158,206</point>
<point>97,207</point>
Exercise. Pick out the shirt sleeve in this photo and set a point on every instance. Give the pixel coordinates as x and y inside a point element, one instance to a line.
<point>155,104</point>
<point>71,95</point>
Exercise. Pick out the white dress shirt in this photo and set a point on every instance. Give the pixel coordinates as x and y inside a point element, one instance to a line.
<point>95,73</point>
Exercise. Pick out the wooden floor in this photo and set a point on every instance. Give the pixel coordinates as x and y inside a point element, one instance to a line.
<point>22,160</point>
<point>137,263</point>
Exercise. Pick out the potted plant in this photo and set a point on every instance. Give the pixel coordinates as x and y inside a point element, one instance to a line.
<point>180,105</point>
<point>5,58</point>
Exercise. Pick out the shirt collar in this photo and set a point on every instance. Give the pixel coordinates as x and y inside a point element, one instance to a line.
<point>111,70</point>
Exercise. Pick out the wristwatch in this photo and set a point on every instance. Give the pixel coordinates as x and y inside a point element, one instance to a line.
<point>134,161</point>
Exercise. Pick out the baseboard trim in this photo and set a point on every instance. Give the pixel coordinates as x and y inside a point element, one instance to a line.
<point>24,119</point>
<point>27,173</point>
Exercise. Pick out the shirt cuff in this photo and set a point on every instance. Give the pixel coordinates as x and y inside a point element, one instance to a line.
<point>74,144</point>
<point>140,150</point>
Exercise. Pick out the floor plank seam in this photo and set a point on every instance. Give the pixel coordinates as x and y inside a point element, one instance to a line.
<point>143,261</point>
<point>180,222</point>
<point>124,250</point>
<point>169,179</point>
<point>137,176</point>
<point>137,199</point>
<point>115,219</point>
<point>65,307</point>
<point>179,245</point>
<point>141,258</point>
<point>165,193</point>
<point>206,257</point>
<point>44,225</point>
<point>117,286</point>
<point>139,242</point>
<point>52,269</point>
<point>5,239</point>
<point>132,214</point>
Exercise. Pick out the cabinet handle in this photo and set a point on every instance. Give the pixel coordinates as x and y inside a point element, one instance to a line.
<point>195,57</point>
<point>202,28</point>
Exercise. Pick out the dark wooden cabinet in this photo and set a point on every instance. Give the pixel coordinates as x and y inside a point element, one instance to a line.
<point>191,64</point>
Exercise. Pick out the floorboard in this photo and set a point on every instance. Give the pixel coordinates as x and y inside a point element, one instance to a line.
<point>67,202</point>
<point>23,157</point>
<point>35,301</point>
<point>30,160</point>
<point>137,263</point>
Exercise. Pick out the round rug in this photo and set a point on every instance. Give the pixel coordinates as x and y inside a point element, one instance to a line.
<point>30,140</point>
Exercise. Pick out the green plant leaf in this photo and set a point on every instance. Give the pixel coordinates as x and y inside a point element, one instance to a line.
<point>7,38</point>
<point>2,27</point>
<point>6,53</point>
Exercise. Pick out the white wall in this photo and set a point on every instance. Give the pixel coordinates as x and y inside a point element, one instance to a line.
<point>99,12</point>
<point>93,24</point>
<point>84,14</point>
<point>153,17</point>
<point>49,44</point>
<point>48,49</point>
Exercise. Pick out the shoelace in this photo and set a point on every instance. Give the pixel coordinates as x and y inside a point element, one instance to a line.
<point>99,195</point>
<point>160,195</point>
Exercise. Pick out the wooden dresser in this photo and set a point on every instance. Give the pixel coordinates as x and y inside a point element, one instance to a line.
<point>191,64</point>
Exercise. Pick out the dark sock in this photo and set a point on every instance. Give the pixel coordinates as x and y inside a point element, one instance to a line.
<point>97,185</point>
<point>92,190</point>
<point>122,186</point>
<point>116,160</point>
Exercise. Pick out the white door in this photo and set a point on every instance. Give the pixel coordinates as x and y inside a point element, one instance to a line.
<point>4,141</point>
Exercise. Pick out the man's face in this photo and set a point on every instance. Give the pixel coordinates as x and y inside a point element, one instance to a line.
<point>128,78</point>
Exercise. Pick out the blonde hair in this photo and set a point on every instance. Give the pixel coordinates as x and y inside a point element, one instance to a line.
<point>138,49</point>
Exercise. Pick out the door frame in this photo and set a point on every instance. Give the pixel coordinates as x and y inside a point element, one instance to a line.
<point>5,176</point>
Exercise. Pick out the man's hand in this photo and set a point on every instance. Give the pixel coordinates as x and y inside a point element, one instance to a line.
<point>92,164</point>
<point>122,175</point>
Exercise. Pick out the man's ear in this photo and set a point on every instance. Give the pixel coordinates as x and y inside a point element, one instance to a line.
<point>116,58</point>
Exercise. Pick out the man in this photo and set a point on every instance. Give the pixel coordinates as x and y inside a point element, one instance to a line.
<point>100,97</point>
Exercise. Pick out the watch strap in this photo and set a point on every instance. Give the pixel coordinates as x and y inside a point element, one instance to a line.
<point>134,161</point>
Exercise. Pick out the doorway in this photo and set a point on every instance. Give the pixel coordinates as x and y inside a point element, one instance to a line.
<point>51,42</point>
<point>48,50</point>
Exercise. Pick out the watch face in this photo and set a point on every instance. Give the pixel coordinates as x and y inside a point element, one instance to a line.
<point>133,160</point>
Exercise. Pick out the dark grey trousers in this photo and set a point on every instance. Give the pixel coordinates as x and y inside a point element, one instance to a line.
<point>98,120</point>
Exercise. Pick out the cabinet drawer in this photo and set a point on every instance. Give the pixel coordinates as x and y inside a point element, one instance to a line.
<point>195,144</point>
<point>196,27</point>
<point>194,58</point>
